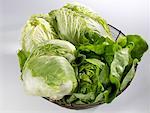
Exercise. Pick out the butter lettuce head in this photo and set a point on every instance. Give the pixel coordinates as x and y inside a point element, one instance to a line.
<point>49,76</point>
<point>47,72</point>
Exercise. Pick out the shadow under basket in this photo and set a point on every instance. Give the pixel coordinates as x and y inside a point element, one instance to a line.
<point>115,34</point>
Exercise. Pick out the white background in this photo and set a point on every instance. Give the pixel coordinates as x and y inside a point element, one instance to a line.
<point>130,16</point>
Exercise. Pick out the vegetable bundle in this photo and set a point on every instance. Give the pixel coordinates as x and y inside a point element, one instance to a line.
<point>70,55</point>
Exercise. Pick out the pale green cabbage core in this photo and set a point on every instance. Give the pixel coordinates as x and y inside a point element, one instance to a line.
<point>49,76</point>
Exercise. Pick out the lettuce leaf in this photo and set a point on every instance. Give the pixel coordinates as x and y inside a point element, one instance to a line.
<point>129,76</point>
<point>120,61</point>
<point>104,28</point>
<point>139,46</point>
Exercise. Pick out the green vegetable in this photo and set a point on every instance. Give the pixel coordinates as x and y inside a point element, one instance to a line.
<point>75,26</point>
<point>89,84</point>
<point>122,41</point>
<point>22,55</point>
<point>47,71</point>
<point>69,55</point>
<point>140,46</point>
<point>120,61</point>
<point>103,28</point>
<point>36,30</point>
<point>129,76</point>
<point>135,43</point>
<point>49,76</point>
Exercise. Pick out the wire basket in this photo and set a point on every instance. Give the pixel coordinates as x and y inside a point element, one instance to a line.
<point>115,34</point>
